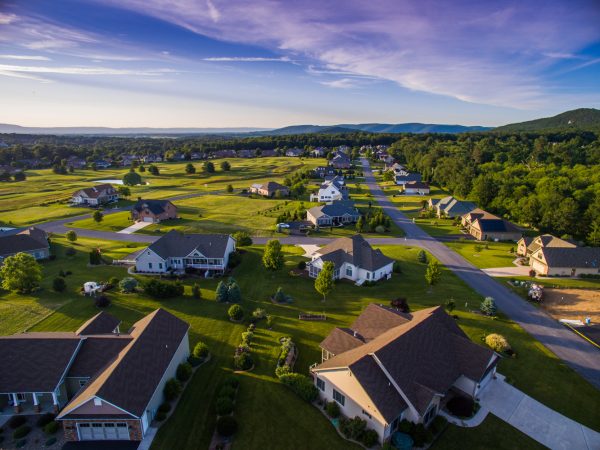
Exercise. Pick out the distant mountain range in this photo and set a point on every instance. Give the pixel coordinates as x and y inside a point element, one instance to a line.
<point>576,119</point>
<point>107,131</point>
<point>373,128</point>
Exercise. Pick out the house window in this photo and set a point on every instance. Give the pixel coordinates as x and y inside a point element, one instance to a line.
<point>149,265</point>
<point>430,414</point>
<point>321,384</point>
<point>366,414</point>
<point>339,397</point>
<point>160,265</point>
<point>348,271</point>
<point>368,275</point>
<point>82,383</point>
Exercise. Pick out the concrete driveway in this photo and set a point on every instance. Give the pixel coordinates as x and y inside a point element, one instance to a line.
<point>512,271</point>
<point>539,422</point>
<point>135,227</point>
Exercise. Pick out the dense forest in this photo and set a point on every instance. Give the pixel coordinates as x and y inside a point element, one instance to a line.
<point>550,181</point>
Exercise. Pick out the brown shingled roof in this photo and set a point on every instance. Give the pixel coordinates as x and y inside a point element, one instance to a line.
<point>423,356</point>
<point>354,250</point>
<point>101,323</point>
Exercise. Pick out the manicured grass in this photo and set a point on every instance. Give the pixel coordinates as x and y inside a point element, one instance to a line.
<point>492,433</point>
<point>497,254</point>
<point>110,222</point>
<point>269,415</point>
<point>556,282</point>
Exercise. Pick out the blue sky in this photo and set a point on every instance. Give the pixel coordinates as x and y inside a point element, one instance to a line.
<point>212,63</point>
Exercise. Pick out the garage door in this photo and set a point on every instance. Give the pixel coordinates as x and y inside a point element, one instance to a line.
<point>148,219</point>
<point>102,431</point>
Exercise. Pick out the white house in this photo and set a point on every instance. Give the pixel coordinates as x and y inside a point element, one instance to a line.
<point>391,366</point>
<point>354,259</point>
<point>416,188</point>
<point>95,195</point>
<point>176,252</point>
<point>330,191</point>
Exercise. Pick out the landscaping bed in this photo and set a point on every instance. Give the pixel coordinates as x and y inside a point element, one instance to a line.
<point>31,432</point>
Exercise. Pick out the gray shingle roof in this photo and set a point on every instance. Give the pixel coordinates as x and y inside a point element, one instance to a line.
<point>354,250</point>
<point>155,206</point>
<point>335,209</point>
<point>101,323</point>
<point>22,240</point>
<point>175,243</point>
<point>573,257</point>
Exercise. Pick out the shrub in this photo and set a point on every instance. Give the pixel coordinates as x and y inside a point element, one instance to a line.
<point>232,381</point>
<point>224,406</point>
<point>128,284</point>
<point>282,370</point>
<point>461,406</point>
<point>247,337</point>
<point>95,257</point>
<point>172,389</point>
<point>59,284</point>
<point>102,301</point>
<point>196,292</point>
<point>234,295</point>
<point>70,251</point>
<point>369,438</point>
<point>234,260</point>
<point>333,410</point>
<point>164,407</point>
<point>160,416</point>
<point>353,428</point>
<point>200,350</point>
<point>227,391</point>
<point>21,431</point>
<point>450,305</point>
<point>222,291</point>
<point>16,421</point>
<point>438,424</point>
<point>51,427</point>
<point>71,236</point>
<point>401,303</point>
<point>44,420</point>
<point>184,371</point>
<point>497,342</point>
<point>269,322</point>
<point>235,312</point>
<point>302,265</point>
<point>226,426</point>
<point>421,435</point>
<point>163,289</point>
<point>243,361</point>
<point>242,238</point>
<point>397,268</point>
<point>422,256</point>
<point>379,229</point>
<point>301,385</point>
<point>50,442</point>
<point>280,296</point>
<point>488,306</point>
<point>114,281</point>
<point>259,313</point>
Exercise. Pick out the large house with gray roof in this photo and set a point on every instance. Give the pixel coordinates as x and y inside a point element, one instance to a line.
<point>353,259</point>
<point>104,384</point>
<point>178,252</point>
<point>153,211</point>
<point>451,207</point>
<point>95,195</point>
<point>33,241</point>
<point>566,261</point>
<point>389,366</point>
<point>336,213</point>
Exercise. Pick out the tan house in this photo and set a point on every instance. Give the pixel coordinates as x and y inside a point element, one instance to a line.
<point>389,366</point>
<point>416,188</point>
<point>485,226</point>
<point>269,189</point>
<point>566,261</point>
<point>529,245</point>
<point>95,195</point>
<point>104,384</point>
<point>153,211</point>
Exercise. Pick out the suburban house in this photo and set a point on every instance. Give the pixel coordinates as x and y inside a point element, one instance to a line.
<point>151,159</point>
<point>450,207</point>
<point>341,212</point>
<point>269,189</point>
<point>177,252</point>
<point>246,153</point>
<point>416,188</point>
<point>529,245</point>
<point>340,161</point>
<point>153,211</point>
<point>485,226</point>
<point>268,153</point>
<point>403,178</point>
<point>223,154</point>
<point>318,152</point>
<point>105,385</point>
<point>565,261</point>
<point>390,366</point>
<point>295,152</point>
<point>354,259</point>
<point>76,163</point>
<point>397,168</point>
<point>325,171</point>
<point>331,191</point>
<point>102,164</point>
<point>33,241</point>
<point>95,195</point>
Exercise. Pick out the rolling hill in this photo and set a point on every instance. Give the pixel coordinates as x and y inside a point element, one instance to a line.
<point>373,128</point>
<point>576,119</point>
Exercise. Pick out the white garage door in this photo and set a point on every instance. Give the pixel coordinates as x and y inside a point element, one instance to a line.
<point>148,219</point>
<point>102,431</point>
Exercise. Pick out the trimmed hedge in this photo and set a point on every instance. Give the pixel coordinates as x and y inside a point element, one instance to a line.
<point>301,385</point>
<point>172,389</point>
<point>21,432</point>
<point>51,428</point>
<point>184,371</point>
<point>224,406</point>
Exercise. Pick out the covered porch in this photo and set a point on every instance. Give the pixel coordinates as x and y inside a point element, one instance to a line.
<point>30,403</point>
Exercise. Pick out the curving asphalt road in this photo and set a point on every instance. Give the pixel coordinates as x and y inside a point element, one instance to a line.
<point>577,353</point>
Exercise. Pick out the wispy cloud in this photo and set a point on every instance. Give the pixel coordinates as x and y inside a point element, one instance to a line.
<point>246,59</point>
<point>486,52</point>
<point>88,71</point>
<point>26,57</point>
<point>342,83</point>
<point>6,19</point>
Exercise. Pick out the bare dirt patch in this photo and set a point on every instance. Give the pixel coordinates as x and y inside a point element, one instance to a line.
<point>574,304</point>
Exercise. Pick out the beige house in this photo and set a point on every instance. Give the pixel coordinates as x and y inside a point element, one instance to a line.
<point>529,245</point>
<point>269,189</point>
<point>566,261</point>
<point>95,195</point>
<point>153,211</point>
<point>389,366</point>
<point>485,226</point>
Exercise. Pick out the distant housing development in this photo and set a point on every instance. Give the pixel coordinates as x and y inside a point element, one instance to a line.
<point>389,366</point>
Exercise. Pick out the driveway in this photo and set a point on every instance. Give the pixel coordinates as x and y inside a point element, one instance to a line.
<point>579,354</point>
<point>135,227</point>
<point>512,271</point>
<point>536,420</point>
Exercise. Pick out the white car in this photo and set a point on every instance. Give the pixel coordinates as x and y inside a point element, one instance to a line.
<point>283,225</point>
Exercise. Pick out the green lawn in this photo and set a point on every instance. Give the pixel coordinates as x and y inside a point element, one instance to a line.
<point>492,433</point>
<point>497,254</point>
<point>270,416</point>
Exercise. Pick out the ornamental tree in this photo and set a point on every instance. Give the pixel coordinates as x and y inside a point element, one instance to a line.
<point>20,273</point>
<point>324,282</point>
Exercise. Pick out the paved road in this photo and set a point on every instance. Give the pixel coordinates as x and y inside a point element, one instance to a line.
<point>577,353</point>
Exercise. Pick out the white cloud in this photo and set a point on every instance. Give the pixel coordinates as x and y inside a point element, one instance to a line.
<point>6,19</point>
<point>214,13</point>
<point>246,59</point>
<point>88,71</point>
<point>342,83</point>
<point>26,57</point>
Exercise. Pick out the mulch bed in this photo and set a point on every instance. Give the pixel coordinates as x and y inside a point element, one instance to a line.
<point>35,439</point>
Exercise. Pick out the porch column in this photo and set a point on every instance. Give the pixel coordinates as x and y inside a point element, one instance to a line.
<point>16,405</point>
<point>36,403</point>
<point>55,402</point>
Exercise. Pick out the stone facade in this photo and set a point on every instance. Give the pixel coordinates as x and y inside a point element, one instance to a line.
<point>134,426</point>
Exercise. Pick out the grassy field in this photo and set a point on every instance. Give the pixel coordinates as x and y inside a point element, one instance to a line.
<point>44,195</point>
<point>270,416</point>
<point>485,254</point>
